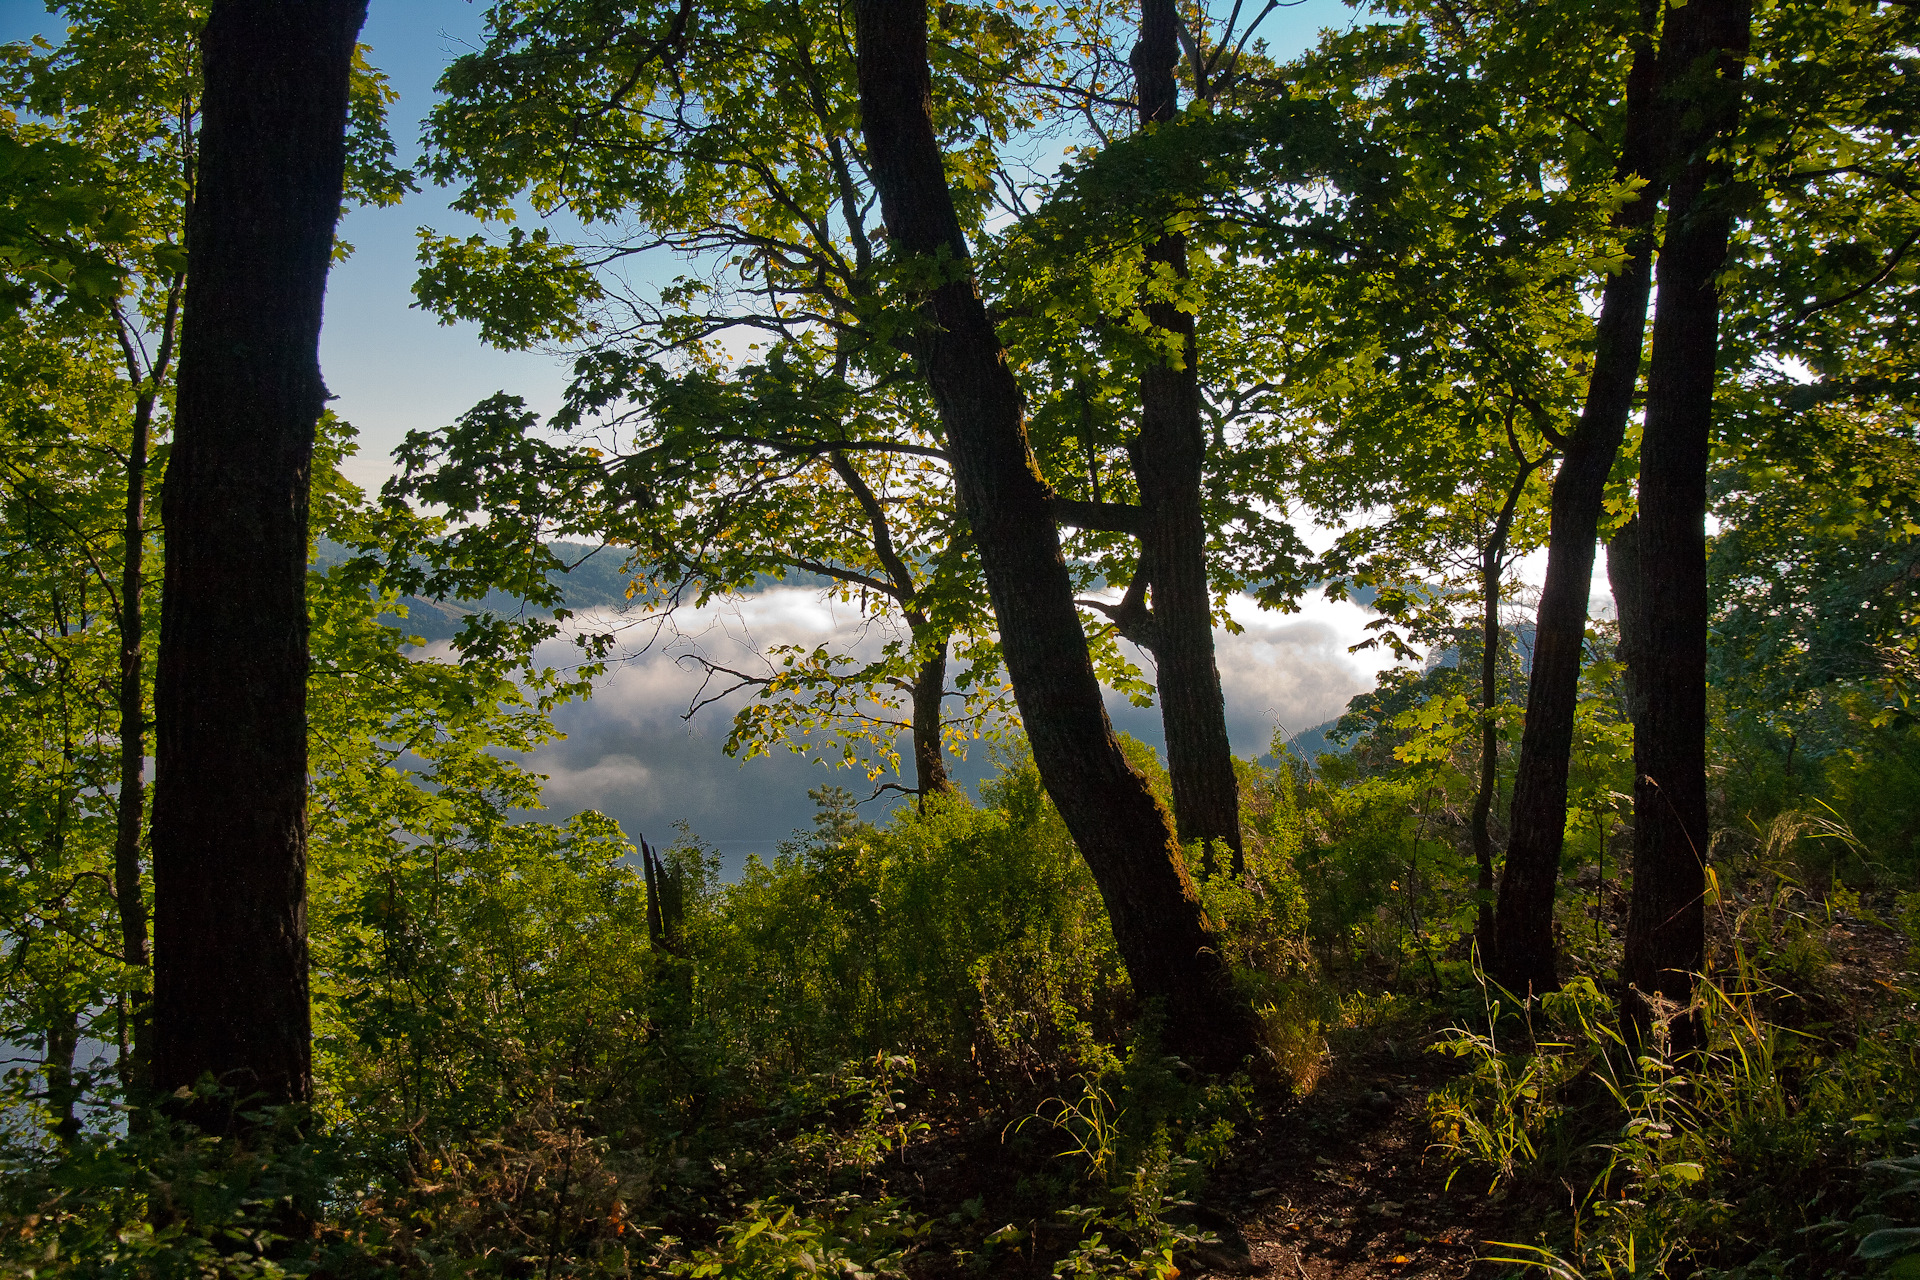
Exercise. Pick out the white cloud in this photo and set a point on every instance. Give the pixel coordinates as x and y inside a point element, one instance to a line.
<point>630,752</point>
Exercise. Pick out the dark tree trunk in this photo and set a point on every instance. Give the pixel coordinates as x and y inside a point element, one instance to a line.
<point>1623,576</point>
<point>1168,457</point>
<point>130,804</point>
<point>229,806</point>
<point>1493,561</point>
<point>1666,918</point>
<point>1523,957</point>
<point>929,750</point>
<point>63,1092</point>
<point>1482,821</point>
<point>1169,947</point>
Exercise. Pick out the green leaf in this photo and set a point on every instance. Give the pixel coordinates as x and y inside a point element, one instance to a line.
<point>1889,1243</point>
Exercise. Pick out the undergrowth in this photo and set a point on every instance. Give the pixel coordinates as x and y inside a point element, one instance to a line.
<point>888,1048</point>
<point>1789,1145</point>
<point>910,1049</point>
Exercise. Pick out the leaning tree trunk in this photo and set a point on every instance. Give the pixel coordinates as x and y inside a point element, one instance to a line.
<point>1666,916</point>
<point>1170,949</point>
<point>1168,456</point>
<point>230,788</point>
<point>1523,958</point>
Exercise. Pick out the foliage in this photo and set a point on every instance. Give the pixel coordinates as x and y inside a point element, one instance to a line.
<point>715,467</point>
<point>1495,1117</point>
<point>532,1062</point>
<point>1766,1149</point>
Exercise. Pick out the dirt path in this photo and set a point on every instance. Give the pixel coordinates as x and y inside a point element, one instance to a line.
<point>1340,1187</point>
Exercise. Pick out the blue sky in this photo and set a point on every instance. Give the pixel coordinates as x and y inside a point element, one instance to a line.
<point>391,367</point>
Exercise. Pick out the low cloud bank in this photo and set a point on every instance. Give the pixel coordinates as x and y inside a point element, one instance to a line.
<point>631,753</point>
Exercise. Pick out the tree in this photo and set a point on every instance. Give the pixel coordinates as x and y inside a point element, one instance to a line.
<point>1523,954</point>
<point>145,133</point>
<point>229,820</point>
<point>697,485</point>
<point>774,186</point>
<point>1666,923</point>
<point>1813,607</point>
<point>1119,318</point>
<point>62,414</point>
<point>1121,830</point>
<point>1168,456</point>
<point>715,468</point>
<point>116,113</point>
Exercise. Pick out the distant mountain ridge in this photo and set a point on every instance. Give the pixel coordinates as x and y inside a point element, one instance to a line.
<point>596,579</point>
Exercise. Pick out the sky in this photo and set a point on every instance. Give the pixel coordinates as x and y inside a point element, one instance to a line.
<point>628,751</point>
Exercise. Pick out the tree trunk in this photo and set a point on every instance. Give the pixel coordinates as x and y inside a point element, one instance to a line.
<point>1523,958</point>
<point>1666,918</point>
<point>1170,949</point>
<point>63,1094</point>
<point>1629,601</point>
<point>1493,561</point>
<point>929,749</point>
<point>1482,824</point>
<point>1168,457</point>
<point>229,808</point>
<point>130,804</point>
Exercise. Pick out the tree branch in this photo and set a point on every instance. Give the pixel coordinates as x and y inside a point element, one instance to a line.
<point>1103,517</point>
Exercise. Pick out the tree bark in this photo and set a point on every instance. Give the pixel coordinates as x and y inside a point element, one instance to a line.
<point>1523,959</point>
<point>1623,576</point>
<point>1666,917</point>
<point>929,748</point>
<point>1170,949</point>
<point>1168,456</point>
<point>229,807</point>
<point>63,1092</point>
<point>1493,561</point>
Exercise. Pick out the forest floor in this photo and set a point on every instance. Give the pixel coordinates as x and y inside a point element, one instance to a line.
<point>1341,1186</point>
<point>1337,1185</point>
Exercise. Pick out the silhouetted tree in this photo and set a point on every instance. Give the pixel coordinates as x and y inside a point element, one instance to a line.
<point>230,790</point>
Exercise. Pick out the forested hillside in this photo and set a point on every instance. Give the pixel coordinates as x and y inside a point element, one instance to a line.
<point>1043,336</point>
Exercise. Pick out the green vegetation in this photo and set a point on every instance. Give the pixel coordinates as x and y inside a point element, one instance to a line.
<point>912,1045</point>
<point>1395,276</point>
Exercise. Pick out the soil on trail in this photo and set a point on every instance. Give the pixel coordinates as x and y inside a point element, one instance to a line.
<point>1340,1186</point>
